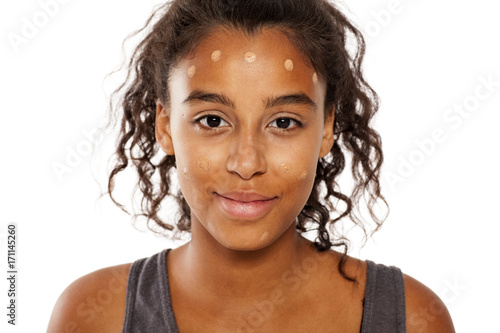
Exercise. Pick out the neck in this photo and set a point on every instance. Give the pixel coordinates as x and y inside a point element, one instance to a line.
<point>240,274</point>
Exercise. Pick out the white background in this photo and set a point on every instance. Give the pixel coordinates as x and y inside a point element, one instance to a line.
<point>423,59</point>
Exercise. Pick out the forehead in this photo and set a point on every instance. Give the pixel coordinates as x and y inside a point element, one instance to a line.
<point>232,60</point>
<point>268,42</point>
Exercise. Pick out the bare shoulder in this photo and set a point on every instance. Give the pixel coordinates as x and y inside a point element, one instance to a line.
<point>425,311</point>
<point>93,303</point>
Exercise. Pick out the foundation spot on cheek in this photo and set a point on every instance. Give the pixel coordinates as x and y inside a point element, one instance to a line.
<point>285,168</point>
<point>303,175</point>
<point>204,163</point>
<point>216,55</point>
<point>250,57</point>
<point>192,71</point>
<point>315,78</point>
<point>289,65</point>
<point>187,174</point>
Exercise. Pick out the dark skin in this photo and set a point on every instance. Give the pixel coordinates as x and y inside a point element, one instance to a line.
<point>237,145</point>
<point>302,306</point>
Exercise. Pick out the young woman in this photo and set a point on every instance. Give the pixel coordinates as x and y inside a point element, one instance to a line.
<point>254,104</point>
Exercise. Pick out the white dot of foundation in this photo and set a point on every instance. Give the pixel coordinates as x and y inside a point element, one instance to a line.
<point>289,65</point>
<point>285,168</point>
<point>216,55</point>
<point>303,175</point>
<point>204,163</point>
<point>192,71</point>
<point>315,78</point>
<point>250,57</point>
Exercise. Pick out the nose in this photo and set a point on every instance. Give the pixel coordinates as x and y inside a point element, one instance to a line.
<point>247,156</point>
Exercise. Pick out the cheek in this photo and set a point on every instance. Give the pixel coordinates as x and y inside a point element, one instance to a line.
<point>300,172</point>
<point>296,165</point>
<point>204,163</point>
<point>200,166</point>
<point>187,173</point>
<point>190,156</point>
<point>295,181</point>
<point>285,168</point>
<point>195,171</point>
<point>295,172</point>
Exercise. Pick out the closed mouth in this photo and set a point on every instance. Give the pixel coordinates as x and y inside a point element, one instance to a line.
<point>246,206</point>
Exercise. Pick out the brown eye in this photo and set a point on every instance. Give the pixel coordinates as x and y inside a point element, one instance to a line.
<point>285,123</point>
<point>212,121</point>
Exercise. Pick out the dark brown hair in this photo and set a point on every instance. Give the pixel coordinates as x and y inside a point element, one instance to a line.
<point>328,41</point>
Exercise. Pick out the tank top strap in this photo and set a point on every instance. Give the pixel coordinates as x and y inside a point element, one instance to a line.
<point>384,302</point>
<point>148,303</point>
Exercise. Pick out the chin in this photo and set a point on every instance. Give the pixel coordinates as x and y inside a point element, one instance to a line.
<point>247,246</point>
<point>247,241</point>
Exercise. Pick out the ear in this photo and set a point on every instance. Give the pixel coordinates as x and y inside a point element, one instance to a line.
<point>328,134</point>
<point>162,129</point>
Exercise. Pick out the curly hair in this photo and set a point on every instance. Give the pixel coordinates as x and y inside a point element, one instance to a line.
<point>329,42</point>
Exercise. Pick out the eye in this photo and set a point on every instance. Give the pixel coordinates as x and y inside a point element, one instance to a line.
<point>212,121</point>
<point>285,123</point>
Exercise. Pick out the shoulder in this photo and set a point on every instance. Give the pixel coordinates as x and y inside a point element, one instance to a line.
<point>425,311</point>
<point>93,303</point>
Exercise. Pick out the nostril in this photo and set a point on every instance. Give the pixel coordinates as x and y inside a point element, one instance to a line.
<point>247,162</point>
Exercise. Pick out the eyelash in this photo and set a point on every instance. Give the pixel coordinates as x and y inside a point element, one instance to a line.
<point>298,124</point>
<point>207,128</point>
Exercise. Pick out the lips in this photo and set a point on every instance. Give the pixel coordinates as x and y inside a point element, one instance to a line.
<point>245,205</point>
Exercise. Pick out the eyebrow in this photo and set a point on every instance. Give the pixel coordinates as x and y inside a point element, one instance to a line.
<point>301,99</point>
<point>204,96</point>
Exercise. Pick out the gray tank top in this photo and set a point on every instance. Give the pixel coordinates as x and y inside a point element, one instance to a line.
<point>149,308</point>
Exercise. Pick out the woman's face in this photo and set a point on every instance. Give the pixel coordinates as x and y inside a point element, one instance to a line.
<point>246,123</point>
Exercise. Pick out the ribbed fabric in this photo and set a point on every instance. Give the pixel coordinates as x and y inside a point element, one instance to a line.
<point>149,307</point>
<point>384,308</point>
